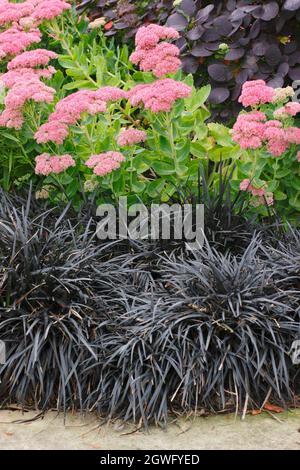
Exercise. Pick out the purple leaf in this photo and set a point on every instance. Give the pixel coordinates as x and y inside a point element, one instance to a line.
<point>195,33</point>
<point>224,25</point>
<point>231,5</point>
<point>242,77</point>
<point>276,82</point>
<point>219,72</point>
<point>294,73</point>
<point>270,11</point>
<point>237,15</point>
<point>189,64</point>
<point>290,47</point>
<point>181,43</point>
<point>212,46</point>
<point>265,68</point>
<point>273,55</point>
<point>188,7</point>
<point>211,35</point>
<point>177,21</point>
<point>267,12</point>
<point>200,51</point>
<point>236,92</point>
<point>283,69</point>
<point>259,48</point>
<point>291,5</point>
<point>294,58</point>
<point>235,54</point>
<point>255,29</point>
<point>219,95</point>
<point>203,14</point>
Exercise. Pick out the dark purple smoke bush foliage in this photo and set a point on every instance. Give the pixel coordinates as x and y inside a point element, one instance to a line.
<point>223,42</point>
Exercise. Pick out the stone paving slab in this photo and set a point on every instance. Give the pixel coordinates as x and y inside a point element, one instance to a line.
<point>265,431</point>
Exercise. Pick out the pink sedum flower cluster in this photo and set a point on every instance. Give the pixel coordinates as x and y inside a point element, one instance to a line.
<point>23,20</point>
<point>47,164</point>
<point>15,40</point>
<point>24,84</point>
<point>35,10</point>
<point>260,193</point>
<point>249,130</point>
<point>31,59</point>
<point>149,36</point>
<point>275,137</point>
<point>152,56</point>
<point>70,109</point>
<point>104,163</point>
<point>256,92</point>
<point>290,109</point>
<point>48,9</point>
<point>159,95</point>
<point>130,137</point>
<point>253,130</point>
<point>251,133</point>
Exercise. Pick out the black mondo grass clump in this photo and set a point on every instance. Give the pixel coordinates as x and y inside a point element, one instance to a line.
<point>136,330</point>
<point>56,287</point>
<point>216,334</point>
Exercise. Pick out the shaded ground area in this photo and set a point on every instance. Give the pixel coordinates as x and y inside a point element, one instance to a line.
<point>216,432</point>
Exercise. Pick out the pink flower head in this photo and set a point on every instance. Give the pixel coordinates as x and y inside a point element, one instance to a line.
<point>83,101</point>
<point>34,90</point>
<point>13,12</point>
<point>131,137</point>
<point>292,135</point>
<point>47,10</point>
<point>11,77</point>
<point>51,132</point>
<point>275,136</point>
<point>266,199</point>
<point>149,36</point>
<point>105,163</point>
<point>70,109</point>
<point>47,164</point>
<point>12,118</point>
<point>30,59</point>
<point>249,129</point>
<point>258,191</point>
<point>245,185</point>
<point>31,12</point>
<point>280,113</point>
<point>15,40</point>
<point>161,59</point>
<point>27,22</point>
<point>160,95</point>
<point>256,92</point>
<point>21,91</point>
<point>292,108</point>
<point>110,93</point>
